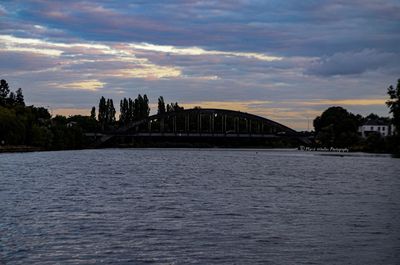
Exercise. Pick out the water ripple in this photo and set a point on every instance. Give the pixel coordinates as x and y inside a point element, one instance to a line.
<point>149,206</point>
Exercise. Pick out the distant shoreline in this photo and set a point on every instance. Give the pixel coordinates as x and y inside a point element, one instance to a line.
<point>20,149</point>
<point>27,149</point>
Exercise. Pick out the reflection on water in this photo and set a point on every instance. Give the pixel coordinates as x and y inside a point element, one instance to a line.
<point>199,207</point>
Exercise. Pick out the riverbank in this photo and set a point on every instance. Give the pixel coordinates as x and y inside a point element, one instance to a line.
<point>25,149</point>
<point>20,148</point>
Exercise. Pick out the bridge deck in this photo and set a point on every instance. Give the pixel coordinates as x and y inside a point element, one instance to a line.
<point>233,135</point>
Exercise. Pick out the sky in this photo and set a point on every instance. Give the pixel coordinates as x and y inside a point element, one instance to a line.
<point>286,60</point>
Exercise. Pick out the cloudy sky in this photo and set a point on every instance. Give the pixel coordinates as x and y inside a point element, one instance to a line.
<point>286,60</point>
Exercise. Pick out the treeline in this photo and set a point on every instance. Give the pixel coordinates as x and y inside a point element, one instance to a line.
<point>22,125</point>
<point>131,110</point>
<point>34,126</point>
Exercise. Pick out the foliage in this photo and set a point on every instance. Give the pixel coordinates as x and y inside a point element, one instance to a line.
<point>86,123</point>
<point>102,112</point>
<point>394,104</point>
<point>106,113</point>
<point>134,110</point>
<point>33,126</point>
<point>161,105</point>
<point>336,127</point>
<point>174,107</point>
<point>12,127</point>
<point>93,113</point>
<point>4,91</point>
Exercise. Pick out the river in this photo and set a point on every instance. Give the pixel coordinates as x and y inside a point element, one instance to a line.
<point>199,206</point>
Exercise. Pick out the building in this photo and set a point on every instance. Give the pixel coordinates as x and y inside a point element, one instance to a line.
<point>376,126</point>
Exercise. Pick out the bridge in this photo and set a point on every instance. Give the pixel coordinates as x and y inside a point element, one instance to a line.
<point>201,123</point>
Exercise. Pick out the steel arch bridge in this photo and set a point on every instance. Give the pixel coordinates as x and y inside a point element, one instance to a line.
<point>204,123</point>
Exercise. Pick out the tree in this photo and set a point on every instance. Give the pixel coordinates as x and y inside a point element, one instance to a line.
<point>12,127</point>
<point>4,90</point>
<point>131,110</point>
<point>102,115</point>
<point>11,100</point>
<point>88,124</point>
<point>39,113</point>
<point>110,112</point>
<point>174,107</point>
<point>146,108</point>
<point>336,127</point>
<point>136,108</point>
<point>394,104</point>
<point>372,116</point>
<point>139,108</point>
<point>124,111</point>
<point>161,105</point>
<point>20,97</point>
<point>93,113</point>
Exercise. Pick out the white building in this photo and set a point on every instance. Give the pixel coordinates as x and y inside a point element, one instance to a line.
<point>376,126</point>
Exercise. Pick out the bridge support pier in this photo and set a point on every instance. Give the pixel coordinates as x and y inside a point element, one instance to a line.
<point>187,124</point>
<point>209,123</point>
<point>174,124</point>
<point>250,127</point>
<point>199,124</point>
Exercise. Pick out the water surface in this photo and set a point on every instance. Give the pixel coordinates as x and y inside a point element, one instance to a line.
<point>189,206</point>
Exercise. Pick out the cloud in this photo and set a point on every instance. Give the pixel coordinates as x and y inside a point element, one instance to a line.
<point>350,63</point>
<point>343,102</point>
<point>128,60</point>
<point>69,111</point>
<point>71,55</point>
<point>12,61</point>
<point>282,28</point>
<point>91,85</point>
<point>280,59</point>
<point>196,51</point>
<point>148,71</point>
<point>233,105</point>
<point>3,11</point>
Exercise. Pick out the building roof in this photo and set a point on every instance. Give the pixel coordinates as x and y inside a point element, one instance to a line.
<point>376,122</point>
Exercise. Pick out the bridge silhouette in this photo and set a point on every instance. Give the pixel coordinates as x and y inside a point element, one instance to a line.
<point>204,124</point>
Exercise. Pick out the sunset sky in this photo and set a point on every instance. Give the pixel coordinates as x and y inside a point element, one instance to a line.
<point>284,60</point>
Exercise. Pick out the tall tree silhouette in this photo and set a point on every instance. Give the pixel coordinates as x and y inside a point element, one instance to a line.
<point>161,105</point>
<point>11,100</point>
<point>131,110</point>
<point>93,113</point>
<point>4,91</point>
<point>102,115</point>
<point>124,109</point>
<point>394,104</point>
<point>20,97</point>
<point>145,106</point>
<point>110,112</point>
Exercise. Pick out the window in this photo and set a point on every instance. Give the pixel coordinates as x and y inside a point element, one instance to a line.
<point>372,128</point>
<point>383,128</point>
<point>379,128</point>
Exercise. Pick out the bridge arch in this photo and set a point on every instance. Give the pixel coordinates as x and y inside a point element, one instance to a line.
<point>207,121</point>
